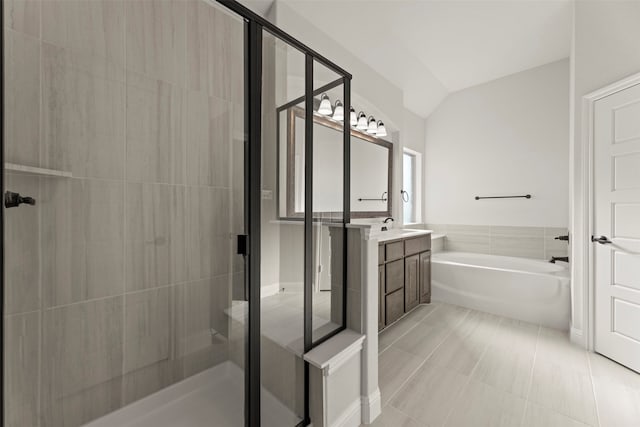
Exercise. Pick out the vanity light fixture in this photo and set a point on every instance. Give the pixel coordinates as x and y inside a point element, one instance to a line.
<point>353,119</point>
<point>372,128</point>
<point>359,121</point>
<point>338,111</point>
<point>362,121</point>
<point>325,105</point>
<point>382,131</point>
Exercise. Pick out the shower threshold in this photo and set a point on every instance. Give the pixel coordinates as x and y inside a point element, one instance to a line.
<point>212,397</point>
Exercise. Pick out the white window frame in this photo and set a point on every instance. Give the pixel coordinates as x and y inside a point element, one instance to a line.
<point>417,197</point>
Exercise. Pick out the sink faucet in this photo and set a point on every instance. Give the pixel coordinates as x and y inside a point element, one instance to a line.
<point>559,258</point>
<point>386,220</point>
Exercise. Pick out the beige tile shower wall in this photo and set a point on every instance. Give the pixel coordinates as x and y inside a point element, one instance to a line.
<point>527,242</point>
<point>117,280</point>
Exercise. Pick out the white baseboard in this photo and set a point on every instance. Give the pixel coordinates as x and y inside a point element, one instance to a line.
<point>577,337</point>
<point>350,417</point>
<point>274,288</point>
<point>267,291</point>
<point>291,287</point>
<point>371,407</point>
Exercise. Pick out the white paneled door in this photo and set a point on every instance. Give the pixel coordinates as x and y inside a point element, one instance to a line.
<point>617,226</point>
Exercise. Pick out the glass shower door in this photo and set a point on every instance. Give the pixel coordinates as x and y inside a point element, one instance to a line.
<point>124,124</point>
<point>282,243</point>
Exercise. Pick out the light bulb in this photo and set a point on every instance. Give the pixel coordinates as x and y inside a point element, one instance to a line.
<point>338,111</point>
<point>382,131</point>
<point>325,105</point>
<point>353,118</point>
<point>362,121</point>
<point>372,128</point>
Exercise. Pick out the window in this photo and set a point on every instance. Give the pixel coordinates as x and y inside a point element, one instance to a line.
<point>411,171</point>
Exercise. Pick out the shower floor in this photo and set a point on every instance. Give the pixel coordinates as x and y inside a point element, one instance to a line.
<point>216,394</point>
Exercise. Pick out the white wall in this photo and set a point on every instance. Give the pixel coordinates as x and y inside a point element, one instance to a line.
<point>605,50</point>
<point>506,137</point>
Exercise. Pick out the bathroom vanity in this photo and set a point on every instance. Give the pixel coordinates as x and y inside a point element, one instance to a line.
<point>404,274</point>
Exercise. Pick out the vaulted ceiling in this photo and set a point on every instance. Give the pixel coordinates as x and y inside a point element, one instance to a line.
<point>427,47</point>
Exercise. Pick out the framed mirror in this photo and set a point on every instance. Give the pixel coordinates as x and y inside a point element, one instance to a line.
<point>371,169</point>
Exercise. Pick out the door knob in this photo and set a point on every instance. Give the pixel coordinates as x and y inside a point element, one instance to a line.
<point>11,200</point>
<point>603,240</point>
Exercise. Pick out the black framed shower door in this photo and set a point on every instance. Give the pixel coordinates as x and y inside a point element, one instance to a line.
<point>256,27</point>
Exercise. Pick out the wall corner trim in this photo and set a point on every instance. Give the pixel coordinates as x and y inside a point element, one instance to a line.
<point>335,352</point>
<point>371,407</point>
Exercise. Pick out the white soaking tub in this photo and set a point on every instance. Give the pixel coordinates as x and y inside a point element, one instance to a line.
<point>532,290</point>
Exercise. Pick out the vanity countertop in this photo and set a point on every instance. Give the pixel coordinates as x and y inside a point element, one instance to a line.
<point>402,233</point>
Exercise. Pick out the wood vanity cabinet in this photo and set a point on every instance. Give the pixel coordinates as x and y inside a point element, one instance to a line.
<point>381,295</point>
<point>404,277</point>
<point>425,277</point>
<point>411,282</point>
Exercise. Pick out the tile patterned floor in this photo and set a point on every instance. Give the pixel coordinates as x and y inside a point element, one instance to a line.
<point>444,365</point>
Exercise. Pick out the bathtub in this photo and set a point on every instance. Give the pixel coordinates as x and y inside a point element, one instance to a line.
<point>531,290</point>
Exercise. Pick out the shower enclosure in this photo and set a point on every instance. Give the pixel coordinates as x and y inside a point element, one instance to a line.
<point>148,279</point>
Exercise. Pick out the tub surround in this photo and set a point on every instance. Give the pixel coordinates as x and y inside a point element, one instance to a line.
<point>534,291</point>
<point>437,242</point>
<point>526,242</point>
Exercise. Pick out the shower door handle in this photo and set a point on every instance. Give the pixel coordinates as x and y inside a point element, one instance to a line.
<point>243,244</point>
<point>12,200</point>
<point>603,240</point>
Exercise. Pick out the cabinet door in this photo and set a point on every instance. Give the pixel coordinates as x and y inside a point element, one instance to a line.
<point>381,299</point>
<point>411,282</point>
<point>425,277</point>
<point>394,306</point>
<point>394,276</point>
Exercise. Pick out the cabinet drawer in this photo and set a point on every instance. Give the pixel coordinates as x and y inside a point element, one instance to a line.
<point>394,306</point>
<point>417,245</point>
<point>394,276</point>
<point>380,254</point>
<point>394,250</point>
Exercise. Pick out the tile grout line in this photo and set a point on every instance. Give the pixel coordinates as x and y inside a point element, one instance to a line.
<point>124,209</point>
<point>407,331</point>
<point>425,361</point>
<point>484,352</point>
<point>533,366</point>
<point>39,386</point>
<point>593,390</point>
<point>126,293</point>
<point>422,424</point>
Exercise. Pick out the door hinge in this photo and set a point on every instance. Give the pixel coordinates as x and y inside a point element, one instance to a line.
<point>243,244</point>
